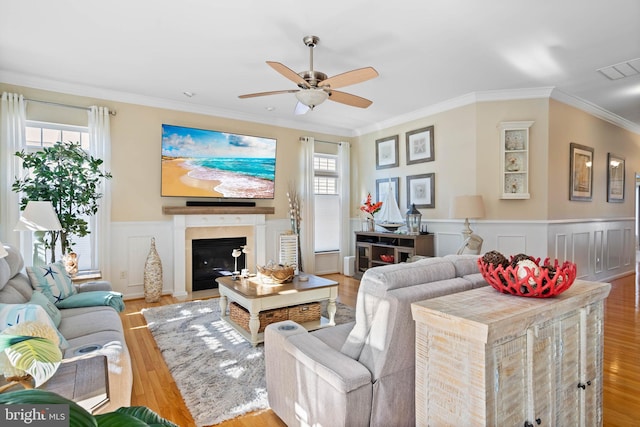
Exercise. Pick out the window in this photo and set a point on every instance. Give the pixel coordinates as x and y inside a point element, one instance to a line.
<point>42,134</point>
<point>327,203</point>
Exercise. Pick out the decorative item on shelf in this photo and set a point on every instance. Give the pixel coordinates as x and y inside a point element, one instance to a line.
<point>414,218</point>
<point>153,275</point>
<point>369,209</point>
<point>387,258</point>
<point>523,275</point>
<point>389,216</point>
<point>70,262</point>
<point>273,273</point>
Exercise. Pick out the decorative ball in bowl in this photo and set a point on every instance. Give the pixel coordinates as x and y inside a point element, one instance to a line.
<point>523,275</point>
<point>387,258</point>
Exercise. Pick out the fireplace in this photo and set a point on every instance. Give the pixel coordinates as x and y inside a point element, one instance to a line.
<point>188,227</point>
<point>211,258</point>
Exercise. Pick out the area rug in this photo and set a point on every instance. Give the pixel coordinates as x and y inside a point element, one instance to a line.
<point>219,374</point>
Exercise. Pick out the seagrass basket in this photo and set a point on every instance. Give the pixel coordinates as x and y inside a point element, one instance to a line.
<point>240,315</point>
<point>304,312</point>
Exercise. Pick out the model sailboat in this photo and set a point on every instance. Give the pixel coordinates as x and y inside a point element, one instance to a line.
<point>389,215</point>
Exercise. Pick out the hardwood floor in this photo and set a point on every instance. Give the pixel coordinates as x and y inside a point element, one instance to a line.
<point>154,386</point>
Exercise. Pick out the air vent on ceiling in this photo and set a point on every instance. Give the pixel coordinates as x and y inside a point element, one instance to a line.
<point>622,69</point>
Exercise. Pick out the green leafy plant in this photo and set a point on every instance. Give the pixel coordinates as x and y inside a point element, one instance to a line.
<point>79,417</point>
<point>30,351</point>
<point>70,178</point>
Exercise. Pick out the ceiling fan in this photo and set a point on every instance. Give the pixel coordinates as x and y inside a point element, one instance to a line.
<point>316,87</point>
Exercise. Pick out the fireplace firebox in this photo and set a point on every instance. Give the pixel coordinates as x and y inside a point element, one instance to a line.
<point>211,258</point>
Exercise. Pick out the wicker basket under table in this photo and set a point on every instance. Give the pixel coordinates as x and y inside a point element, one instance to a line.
<point>240,315</point>
<point>298,313</point>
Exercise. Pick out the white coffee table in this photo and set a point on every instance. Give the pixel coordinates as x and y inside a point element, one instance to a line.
<point>255,297</point>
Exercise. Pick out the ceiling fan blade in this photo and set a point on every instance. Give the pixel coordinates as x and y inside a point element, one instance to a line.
<point>288,73</point>
<point>349,99</point>
<point>274,92</point>
<point>301,108</point>
<point>350,77</point>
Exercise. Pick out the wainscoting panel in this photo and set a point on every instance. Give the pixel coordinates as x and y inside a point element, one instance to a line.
<point>580,253</point>
<point>598,251</point>
<point>560,248</point>
<point>615,244</point>
<point>629,253</point>
<point>512,245</point>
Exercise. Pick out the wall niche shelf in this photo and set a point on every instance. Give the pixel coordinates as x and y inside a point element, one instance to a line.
<point>514,159</point>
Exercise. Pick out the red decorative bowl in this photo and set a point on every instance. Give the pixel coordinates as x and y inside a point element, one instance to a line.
<point>387,258</point>
<point>544,283</point>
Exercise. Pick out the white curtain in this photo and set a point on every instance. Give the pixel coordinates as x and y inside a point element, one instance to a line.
<point>307,193</point>
<point>344,160</point>
<point>12,139</point>
<point>100,147</point>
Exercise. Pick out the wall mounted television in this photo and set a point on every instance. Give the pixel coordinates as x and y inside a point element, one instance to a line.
<point>208,163</point>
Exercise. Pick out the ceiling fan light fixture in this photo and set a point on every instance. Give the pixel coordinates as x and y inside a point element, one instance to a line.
<point>312,97</point>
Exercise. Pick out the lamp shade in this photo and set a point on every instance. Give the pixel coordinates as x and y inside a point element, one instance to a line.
<point>3,251</point>
<point>38,216</point>
<point>467,207</point>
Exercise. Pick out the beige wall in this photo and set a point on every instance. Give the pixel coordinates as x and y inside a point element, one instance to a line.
<point>466,156</point>
<point>568,124</point>
<point>136,138</point>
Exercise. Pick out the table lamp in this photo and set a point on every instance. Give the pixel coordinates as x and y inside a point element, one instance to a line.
<point>467,207</point>
<point>39,217</point>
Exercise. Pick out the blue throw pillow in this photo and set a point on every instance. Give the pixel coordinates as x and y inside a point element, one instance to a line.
<point>52,280</point>
<point>39,298</point>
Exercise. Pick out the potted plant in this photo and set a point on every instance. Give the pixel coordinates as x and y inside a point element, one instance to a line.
<point>70,178</point>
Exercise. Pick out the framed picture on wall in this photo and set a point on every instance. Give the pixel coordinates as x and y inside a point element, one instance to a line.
<point>387,152</point>
<point>420,145</point>
<point>386,185</point>
<point>421,190</point>
<point>580,172</point>
<point>615,178</point>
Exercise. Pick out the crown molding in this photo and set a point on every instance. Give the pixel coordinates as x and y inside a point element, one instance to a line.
<point>12,78</point>
<point>595,110</point>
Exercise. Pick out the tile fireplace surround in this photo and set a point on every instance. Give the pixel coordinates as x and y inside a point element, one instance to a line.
<point>199,223</point>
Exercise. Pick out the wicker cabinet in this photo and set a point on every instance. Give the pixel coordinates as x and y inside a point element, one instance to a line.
<point>490,359</point>
<point>372,247</point>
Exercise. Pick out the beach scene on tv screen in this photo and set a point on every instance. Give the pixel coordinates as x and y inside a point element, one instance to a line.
<point>206,163</point>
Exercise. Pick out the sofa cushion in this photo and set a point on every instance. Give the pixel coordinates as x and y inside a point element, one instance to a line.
<point>464,264</point>
<point>52,280</point>
<point>40,299</point>
<point>79,322</point>
<point>12,314</point>
<point>381,279</point>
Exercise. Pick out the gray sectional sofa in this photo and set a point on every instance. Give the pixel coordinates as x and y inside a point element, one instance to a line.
<point>361,373</point>
<point>83,328</point>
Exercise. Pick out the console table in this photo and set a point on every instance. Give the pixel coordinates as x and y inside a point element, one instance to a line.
<point>484,358</point>
<point>370,245</point>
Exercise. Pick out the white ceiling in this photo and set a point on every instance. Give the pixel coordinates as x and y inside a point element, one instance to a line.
<point>428,53</point>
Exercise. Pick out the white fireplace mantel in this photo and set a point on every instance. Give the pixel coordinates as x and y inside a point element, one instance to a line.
<point>183,222</point>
